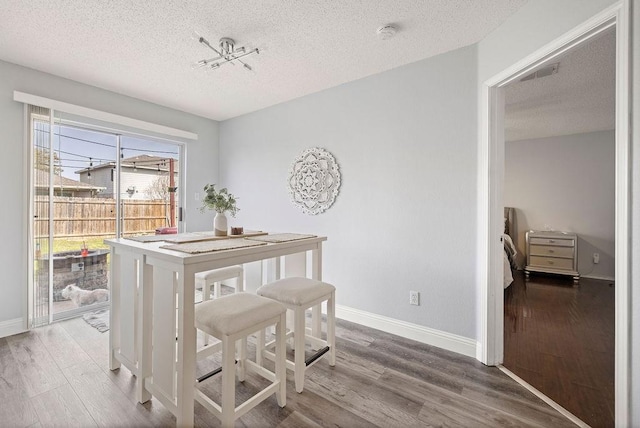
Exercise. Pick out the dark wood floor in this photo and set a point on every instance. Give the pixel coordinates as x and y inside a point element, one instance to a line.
<point>560,339</point>
<point>59,376</point>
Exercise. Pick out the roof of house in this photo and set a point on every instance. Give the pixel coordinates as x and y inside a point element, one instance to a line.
<point>41,180</point>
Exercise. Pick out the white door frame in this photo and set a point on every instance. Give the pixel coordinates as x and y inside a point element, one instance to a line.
<point>491,177</point>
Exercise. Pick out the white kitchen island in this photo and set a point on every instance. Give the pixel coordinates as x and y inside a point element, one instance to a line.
<point>148,283</point>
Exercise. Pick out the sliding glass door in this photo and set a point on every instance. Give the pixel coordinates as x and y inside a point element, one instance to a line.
<point>91,184</point>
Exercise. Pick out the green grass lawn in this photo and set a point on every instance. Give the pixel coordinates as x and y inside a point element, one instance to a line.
<point>72,244</point>
<point>75,244</point>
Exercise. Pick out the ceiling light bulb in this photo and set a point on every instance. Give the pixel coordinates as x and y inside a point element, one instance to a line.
<point>196,36</point>
<point>386,31</point>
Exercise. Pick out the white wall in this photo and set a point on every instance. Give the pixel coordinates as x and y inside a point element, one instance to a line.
<point>534,25</point>
<point>201,159</point>
<point>566,183</point>
<point>405,216</point>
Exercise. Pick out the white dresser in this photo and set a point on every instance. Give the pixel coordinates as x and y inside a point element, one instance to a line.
<point>552,252</point>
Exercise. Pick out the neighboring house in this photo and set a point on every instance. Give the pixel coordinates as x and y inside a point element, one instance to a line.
<point>63,186</point>
<point>143,177</point>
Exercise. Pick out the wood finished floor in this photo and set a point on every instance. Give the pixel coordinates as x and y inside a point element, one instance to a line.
<point>59,376</point>
<point>560,339</point>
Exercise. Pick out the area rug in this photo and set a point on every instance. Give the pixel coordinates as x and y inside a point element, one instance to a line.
<point>98,319</point>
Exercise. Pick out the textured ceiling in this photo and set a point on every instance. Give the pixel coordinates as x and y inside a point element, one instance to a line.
<point>144,49</point>
<point>580,98</point>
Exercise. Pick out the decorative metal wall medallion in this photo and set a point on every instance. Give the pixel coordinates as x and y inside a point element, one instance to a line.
<point>314,180</point>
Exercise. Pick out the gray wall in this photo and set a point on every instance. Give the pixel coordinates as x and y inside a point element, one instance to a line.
<point>201,157</point>
<point>404,220</point>
<point>566,183</point>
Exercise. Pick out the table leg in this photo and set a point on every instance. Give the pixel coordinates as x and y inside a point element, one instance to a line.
<point>143,338</point>
<point>186,364</point>
<point>316,273</point>
<point>114,313</point>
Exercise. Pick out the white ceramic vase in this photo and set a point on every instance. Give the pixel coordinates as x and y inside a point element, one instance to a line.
<point>220,224</point>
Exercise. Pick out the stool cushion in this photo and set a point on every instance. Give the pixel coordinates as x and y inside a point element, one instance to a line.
<point>216,275</point>
<point>295,290</point>
<point>235,312</point>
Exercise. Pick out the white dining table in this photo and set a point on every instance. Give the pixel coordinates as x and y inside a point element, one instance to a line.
<point>153,292</point>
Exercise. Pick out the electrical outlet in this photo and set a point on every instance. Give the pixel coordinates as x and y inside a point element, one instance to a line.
<point>414,298</point>
<point>596,258</point>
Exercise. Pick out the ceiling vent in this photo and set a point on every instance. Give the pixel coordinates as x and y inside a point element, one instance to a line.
<point>543,72</point>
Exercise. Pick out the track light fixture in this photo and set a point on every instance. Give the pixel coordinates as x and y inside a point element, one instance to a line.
<point>228,53</point>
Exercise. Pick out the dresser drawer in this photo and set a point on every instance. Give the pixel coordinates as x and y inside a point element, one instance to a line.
<point>551,262</point>
<point>552,241</point>
<point>548,250</point>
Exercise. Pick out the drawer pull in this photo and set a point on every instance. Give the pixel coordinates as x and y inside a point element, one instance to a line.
<point>551,251</point>
<point>552,240</point>
<point>550,262</point>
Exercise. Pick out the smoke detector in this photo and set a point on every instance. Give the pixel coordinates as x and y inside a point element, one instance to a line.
<point>542,72</point>
<point>386,31</point>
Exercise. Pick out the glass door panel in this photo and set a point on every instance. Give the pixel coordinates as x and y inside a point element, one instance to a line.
<point>149,177</point>
<point>84,216</point>
<point>42,160</point>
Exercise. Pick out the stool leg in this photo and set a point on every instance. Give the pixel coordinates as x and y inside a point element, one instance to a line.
<point>316,321</point>
<point>206,295</point>
<point>240,282</point>
<point>331,328</point>
<point>242,357</point>
<point>217,289</point>
<point>259,346</point>
<point>281,368</point>
<point>299,334</point>
<point>228,382</point>
<point>291,323</point>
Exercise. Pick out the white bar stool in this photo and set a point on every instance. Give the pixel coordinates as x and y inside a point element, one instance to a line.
<point>299,294</point>
<point>204,280</point>
<point>214,277</point>
<point>229,319</point>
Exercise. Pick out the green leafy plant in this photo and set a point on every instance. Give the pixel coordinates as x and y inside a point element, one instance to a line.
<point>220,201</point>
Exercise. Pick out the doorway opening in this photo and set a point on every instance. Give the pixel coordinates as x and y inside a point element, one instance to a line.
<point>491,175</point>
<point>559,331</point>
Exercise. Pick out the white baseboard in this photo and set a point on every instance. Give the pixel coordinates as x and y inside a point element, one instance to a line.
<point>11,327</point>
<point>441,339</point>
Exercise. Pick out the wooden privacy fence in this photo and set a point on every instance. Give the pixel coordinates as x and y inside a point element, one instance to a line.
<point>84,217</point>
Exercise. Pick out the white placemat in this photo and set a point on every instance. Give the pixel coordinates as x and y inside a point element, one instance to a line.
<point>209,236</point>
<point>208,246</point>
<point>149,238</point>
<point>181,238</point>
<point>280,237</point>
